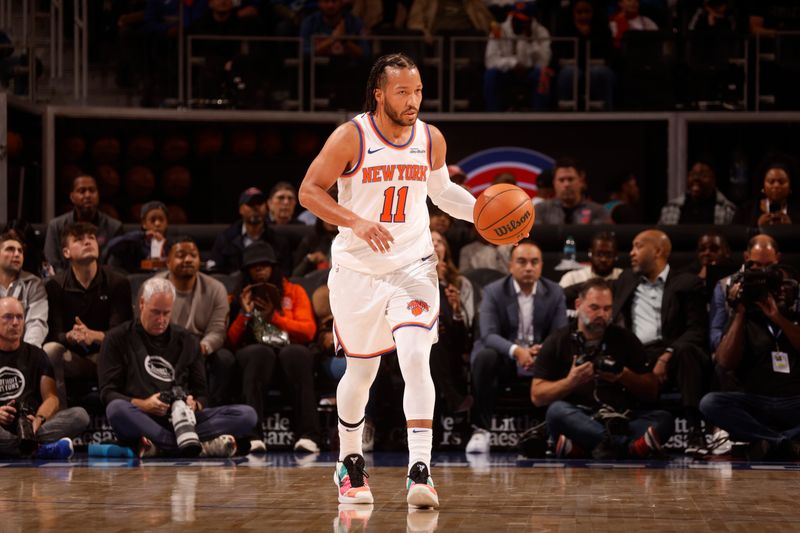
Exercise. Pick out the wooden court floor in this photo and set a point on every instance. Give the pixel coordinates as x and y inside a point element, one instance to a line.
<point>275,494</point>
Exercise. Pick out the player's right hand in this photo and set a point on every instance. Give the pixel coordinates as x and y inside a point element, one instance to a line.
<point>377,236</point>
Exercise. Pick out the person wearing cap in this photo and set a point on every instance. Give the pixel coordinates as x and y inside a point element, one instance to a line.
<point>142,250</point>
<point>85,202</point>
<point>201,307</point>
<point>518,53</point>
<point>226,256</point>
<point>267,297</point>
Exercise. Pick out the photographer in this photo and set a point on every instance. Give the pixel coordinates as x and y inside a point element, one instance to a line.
<point>762,251</point>
<point>762,348</point>
<point>141,360</point>
<point>593,375</point>
<point>30,420</point>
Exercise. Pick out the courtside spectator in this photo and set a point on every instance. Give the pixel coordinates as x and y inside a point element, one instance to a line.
<point>569,205</point>
<point>703,203</point>
<point>777,205</point>
<point>281,203</point>
<point>143,250</point>
<point>602,258</point>
<point>628,18</point>
<point>314,251</point>
<point>24,286</point>
<point>623,203</point>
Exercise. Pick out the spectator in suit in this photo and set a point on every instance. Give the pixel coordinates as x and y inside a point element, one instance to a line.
<point>226,256</point>
<point>201,307</point>
<point>569,205</point>
<point>24,286</point>
<point>85,200</point>
<point>517,313</point>
<point>703,203</point>
<point>667,312</point>
<point>86,301</point>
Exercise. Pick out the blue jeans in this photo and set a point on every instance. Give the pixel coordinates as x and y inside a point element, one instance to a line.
<point>601,84</point>
<point>752,417</point>
<point>131,423</point>
<point>564,418</point>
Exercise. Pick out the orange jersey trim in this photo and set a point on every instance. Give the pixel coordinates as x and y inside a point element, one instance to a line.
<point>386,141</point>
<point>417,324</point>
<point>356,355</point>
<point>362,147</point>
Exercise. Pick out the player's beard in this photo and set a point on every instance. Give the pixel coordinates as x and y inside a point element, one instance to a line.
<point>397,118</point>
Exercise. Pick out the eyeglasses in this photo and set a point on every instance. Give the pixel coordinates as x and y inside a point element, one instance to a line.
<point>11,317</point>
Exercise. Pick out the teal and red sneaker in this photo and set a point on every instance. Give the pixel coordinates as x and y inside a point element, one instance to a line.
<point>421,492</point>
<point>350,477</point>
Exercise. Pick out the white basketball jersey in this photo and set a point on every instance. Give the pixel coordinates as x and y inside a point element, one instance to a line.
<point>388,184</point>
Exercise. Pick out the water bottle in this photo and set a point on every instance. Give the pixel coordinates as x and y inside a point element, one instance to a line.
<point>570,252</point>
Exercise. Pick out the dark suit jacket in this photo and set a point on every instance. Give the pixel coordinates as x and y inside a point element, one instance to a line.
<point>499,314</point>
<point>684,319</point>
<point>228,249</point>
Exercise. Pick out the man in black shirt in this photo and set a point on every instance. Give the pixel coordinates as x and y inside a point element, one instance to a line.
<point>581,394</point>
<point>27,389</point>
<point>86,300</point>
<point>142,358</point>
<point>762,348</point>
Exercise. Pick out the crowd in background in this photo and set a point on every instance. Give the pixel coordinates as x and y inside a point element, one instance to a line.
<point>637,47</point>
<point>251,315</point>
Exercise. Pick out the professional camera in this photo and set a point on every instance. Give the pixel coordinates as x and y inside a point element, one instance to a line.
<point>183,421</point>
<point>24,428</point>
<point>756,285</point>
<point>594,354</point>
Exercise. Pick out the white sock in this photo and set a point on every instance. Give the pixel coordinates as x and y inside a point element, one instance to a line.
<point>352,395</point>
<point>350,439</point>
<point>420,441</point>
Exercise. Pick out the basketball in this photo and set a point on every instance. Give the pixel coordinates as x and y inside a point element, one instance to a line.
<point>503,214</point>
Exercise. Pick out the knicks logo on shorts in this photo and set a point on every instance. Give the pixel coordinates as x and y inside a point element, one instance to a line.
<point>417,307</point>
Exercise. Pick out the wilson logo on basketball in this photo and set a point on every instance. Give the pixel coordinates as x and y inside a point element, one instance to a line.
<point>512,225</point>
<point>417,307</point>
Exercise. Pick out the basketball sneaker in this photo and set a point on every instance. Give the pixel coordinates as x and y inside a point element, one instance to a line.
<point>147,448</point>
<point>60,449</point>
<point>421,492</point>
<point>350,478</point>
<point>566,449</point>
<point>222,446</point>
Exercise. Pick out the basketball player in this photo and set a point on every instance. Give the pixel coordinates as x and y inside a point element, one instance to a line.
<point>383,284</point>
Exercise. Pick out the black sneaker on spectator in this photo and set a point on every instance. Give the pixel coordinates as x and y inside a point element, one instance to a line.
<point>696,443</point>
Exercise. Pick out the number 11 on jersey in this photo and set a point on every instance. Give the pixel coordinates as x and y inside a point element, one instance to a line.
<point>388,202</point>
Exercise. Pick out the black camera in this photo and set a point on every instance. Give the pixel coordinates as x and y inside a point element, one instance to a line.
<point>24,428</point>
<point>757,285</point>
<point>183,421</point>
<point>601,361</point>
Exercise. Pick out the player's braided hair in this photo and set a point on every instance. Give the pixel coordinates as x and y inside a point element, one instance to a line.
<point>377,76</point>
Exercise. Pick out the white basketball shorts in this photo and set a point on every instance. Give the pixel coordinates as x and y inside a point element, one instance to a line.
<point>368,309</point>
